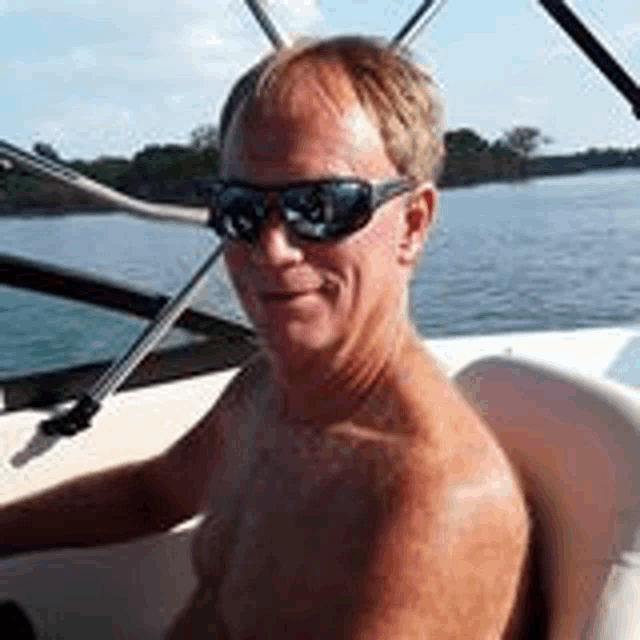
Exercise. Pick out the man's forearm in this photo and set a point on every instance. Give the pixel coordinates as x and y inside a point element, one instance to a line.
<point>97,509</point>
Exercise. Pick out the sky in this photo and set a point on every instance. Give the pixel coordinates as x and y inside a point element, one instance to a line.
<point>106,78</point>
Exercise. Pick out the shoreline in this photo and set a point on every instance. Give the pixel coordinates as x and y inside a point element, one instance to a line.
<point>48,209</point>
<point>461,182</point>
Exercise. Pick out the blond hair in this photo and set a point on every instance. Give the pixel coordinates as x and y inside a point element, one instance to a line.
<point>397,94</point>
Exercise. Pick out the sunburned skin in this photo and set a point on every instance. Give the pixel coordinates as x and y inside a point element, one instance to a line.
<point>323,513</point>
<point>352,491</point>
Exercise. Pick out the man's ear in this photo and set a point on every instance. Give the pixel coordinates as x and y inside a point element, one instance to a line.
<point>418,217</point>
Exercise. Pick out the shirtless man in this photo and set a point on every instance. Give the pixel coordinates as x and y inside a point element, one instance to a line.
<point>350,490</point>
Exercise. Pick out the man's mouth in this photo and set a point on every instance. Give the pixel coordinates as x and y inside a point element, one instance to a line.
<point>282,296</point>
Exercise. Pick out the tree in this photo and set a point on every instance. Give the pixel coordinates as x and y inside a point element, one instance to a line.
<point>524,142</point>
<point>105,169</point>
<point>464,142</point>
<point>169,172</point>
<point>466,159</point>
<point>204,137</point>
<point>46,150</point>
<point>504,159</point>
<point>170,161</point>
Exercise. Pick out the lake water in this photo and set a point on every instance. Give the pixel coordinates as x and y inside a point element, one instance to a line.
<point>554,253</point>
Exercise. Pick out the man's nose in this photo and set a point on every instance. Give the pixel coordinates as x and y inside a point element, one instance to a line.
<point>274,245</point>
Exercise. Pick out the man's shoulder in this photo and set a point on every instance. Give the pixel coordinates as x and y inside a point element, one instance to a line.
<point>465,482</point>
<point>461,518</point>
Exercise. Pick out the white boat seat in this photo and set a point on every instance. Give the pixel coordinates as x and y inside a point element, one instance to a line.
<point>131,590</point>
<point>576,444</point>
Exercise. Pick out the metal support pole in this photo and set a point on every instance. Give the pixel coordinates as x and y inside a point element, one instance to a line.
<point>74,179</point>
<point>579,33</point>
<point>411,23</point>
<point>79,416</point>
<point>277,36</point>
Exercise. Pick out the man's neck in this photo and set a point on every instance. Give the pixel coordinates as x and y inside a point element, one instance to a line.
<point>322,388</point>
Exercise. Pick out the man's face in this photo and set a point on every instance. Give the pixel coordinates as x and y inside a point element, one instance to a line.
<point>305,296</point>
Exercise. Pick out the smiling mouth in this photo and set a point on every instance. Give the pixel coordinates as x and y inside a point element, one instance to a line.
<point>283,296</point>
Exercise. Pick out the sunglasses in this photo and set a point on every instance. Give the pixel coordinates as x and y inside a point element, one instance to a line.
<point>315,210</point>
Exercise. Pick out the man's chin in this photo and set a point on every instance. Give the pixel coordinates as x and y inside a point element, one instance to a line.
<point>297,342</point>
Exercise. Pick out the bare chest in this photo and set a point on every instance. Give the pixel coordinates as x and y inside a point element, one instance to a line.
<point>309,517</point>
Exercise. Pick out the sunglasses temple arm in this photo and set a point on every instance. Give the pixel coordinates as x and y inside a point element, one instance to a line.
<point>410,25</point>
<point>278,38</point>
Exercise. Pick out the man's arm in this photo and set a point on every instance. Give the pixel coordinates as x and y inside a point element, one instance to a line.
<point>129,501</point>
<point>95,509</point>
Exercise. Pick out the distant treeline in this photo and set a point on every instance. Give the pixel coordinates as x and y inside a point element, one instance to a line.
<point>173,173</point>
<point>472,159</point>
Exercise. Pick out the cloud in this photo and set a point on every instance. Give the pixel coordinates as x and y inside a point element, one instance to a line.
<point>83,58</point>
<point>529,110</point>
<point>201,37</point>
<point>93,122</point>
<point>531,100</point>
<point>629,35</point>
<point>545,55</point>
<point>113,75</point>
<point>93,8</point>
<point>298,11</point>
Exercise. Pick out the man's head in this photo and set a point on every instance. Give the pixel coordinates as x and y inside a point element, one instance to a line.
<point>397,95</point>
<point>341,108</point>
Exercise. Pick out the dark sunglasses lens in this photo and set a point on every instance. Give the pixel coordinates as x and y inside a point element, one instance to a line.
<point>326,211</point>
<point>239,212</point>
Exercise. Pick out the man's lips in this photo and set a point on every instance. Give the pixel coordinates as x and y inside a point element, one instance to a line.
<point>282,296</point>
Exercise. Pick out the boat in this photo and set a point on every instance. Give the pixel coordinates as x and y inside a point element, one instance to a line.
<point>564,404</point>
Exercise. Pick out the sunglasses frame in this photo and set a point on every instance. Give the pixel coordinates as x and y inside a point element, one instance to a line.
<point>377,192</point>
